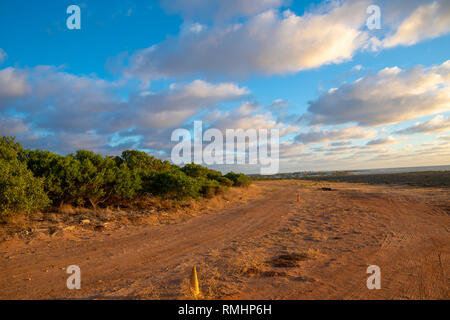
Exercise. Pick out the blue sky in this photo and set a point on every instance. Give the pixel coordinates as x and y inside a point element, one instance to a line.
<point>137,70</point>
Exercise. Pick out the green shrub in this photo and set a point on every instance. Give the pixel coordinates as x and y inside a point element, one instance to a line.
<point>209,188</point>
<point>195,170</point>
<point>143,163</point>
<point>62,182</point>
<point>84,177</point>
<point>225,181</point>
<point>46,165</point>
<point>175,184</point>
<point>20,191</point>
<point>31,179</point>
<point>239,179</point>
<point>127,183</point>
<point>9,148</point>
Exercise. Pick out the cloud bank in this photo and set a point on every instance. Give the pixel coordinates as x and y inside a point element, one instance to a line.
<point>391,96</point>
<point>267,43</point>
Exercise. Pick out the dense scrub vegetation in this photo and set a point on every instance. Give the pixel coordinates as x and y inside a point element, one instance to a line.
<point>32,180</point>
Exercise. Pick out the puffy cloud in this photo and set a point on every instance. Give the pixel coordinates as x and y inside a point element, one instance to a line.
<point>172,108</point>
<point>267,43</point>
<point>66,142</point>
<point>270,42</point>
<point>67,111</point>
<point>12,126</point>
<point>437,124</point>
<point>63,101</point>
<point>426,22</point>
<point>218,9</point>
<point>390,96</point>
<point>245,117</point>
<point>334,135</point>
<point>13,84</point>
<point>58,100</point>
<point>58,110</point>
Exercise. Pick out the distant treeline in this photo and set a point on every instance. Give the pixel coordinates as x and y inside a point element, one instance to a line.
<point>417,179</point>
<point>32,180</point>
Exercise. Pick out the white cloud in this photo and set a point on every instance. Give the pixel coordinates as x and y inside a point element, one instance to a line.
<point>60,101</point>
<point>335,135</point>
<point>172,108</point>
<point>196,27</point>
<point>267,43</point>
<point>13,84</point>
<point>246,117</point>
<point>437,124</point>
<point>390,96</point>
<point>66,108</point>
<point>12,126</point>
<point>79,103</point>
<point>426,22</point>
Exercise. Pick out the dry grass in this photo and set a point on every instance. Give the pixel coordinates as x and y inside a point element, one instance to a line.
<point>246,262</point>
<point>316,236</point>
<point>145,211</point>
<point>150,292</point>
<point>291,260</point>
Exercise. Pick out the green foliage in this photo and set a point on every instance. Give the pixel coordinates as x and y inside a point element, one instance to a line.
<point>53,168</point>
<point>175,184</point>
<point>144,163</point>
<point>9,148</point>
<point>127,183</point>
<point>20,191</point>
<point>32,179</point>
<point>225,182</point>
<point>239,179</point>
<point>195,170</point>
<point>210,188</point>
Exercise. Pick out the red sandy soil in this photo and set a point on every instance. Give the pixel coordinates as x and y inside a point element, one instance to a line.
<point>332,237</point>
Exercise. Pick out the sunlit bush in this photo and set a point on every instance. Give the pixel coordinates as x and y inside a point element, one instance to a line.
<point>20,191</point>
<point>239,179</point>
<point>31,179</point>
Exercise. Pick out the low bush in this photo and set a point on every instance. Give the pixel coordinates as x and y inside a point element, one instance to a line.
<point>20,191</point>
<point>210,188</point>
<point>175,184</point>
<point>239,179</point>
<point>32,179</point>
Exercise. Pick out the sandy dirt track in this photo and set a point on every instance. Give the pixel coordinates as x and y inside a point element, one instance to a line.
<point>335,236</point>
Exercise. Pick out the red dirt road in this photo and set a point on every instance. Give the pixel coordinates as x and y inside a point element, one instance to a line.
<point>403,230</point>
